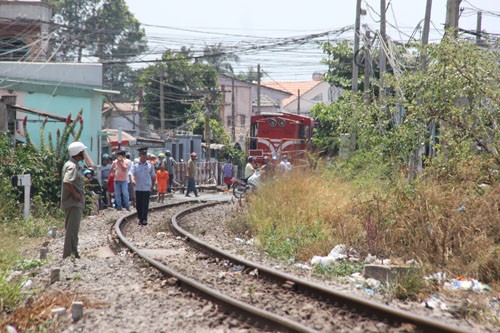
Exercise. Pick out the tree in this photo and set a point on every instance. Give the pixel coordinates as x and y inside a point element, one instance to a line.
<point>339,61</point>
<point>218,133</point>
<point>186,86</point>
<point>250,76</point>
<point>458,89</point>
<point>217,56</point>
<point>103,29</point>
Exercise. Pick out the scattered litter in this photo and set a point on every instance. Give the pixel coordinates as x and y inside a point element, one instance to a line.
<point>239,240</point>
<point>369,291</point>
<point>26,284</point>
<point>385,262</point>
<point>254,272</point>
<point>412,262</point>
<point>460,209</point>
<point>10,329</point>
<point>373,283</point>
<point>435,303</point>
<point>370,259</point>
<point>251,241</point>
<point>302,266</point>
<point>467,284</point>
<point>439,277</point>
<point>238,268</point>
<point>336,254</point>
<point>291,260</point>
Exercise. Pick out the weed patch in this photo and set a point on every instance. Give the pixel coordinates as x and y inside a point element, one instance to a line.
<point>340,269</point>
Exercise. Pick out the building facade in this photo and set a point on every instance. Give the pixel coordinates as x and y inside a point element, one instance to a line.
<point>57,89</point>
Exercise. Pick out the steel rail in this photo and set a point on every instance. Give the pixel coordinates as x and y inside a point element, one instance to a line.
<point>360,305</point>
<point>262,318</point>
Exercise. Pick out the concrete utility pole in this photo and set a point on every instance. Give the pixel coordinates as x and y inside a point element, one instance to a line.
<point>383,38</point>
<point>162,103</point>
<point>478,27</point>
<point>427,23</point>
<point>382,54</point>
<point>452,15</point>
<point>357,32</point>
<point>368,66</point>
<point>258,89</point>
<point>233,112</point>
<point>298,101</point>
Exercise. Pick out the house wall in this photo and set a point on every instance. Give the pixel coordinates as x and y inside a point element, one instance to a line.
<point>245,94</point>
<point>130,122</point>
<point>30,17</point>
<point>57,89</point>
<point>322,93</point>
<point>63,105</point>
<point>242,108</point>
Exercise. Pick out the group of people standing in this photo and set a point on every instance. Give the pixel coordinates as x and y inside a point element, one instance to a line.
<point>269,166</point>
<point>128,183</point>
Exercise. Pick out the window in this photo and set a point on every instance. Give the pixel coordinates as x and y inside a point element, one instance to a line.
<point>174,151</point>
<point>181,151</point>
<point>229,121</point>
<point>242,120</point>
<point>12,48</point>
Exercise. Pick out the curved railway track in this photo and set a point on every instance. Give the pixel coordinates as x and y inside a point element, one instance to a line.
<point>255,294</point>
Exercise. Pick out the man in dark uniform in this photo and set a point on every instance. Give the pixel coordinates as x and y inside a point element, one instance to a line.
<point>72,198</point>
<point>143,177</point>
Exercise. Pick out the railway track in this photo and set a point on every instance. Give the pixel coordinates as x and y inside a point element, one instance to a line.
<point>255,294</point>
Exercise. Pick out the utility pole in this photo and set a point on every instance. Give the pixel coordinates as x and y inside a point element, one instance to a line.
<point>368,65</point>
<point>382,54</point>
<point>162,103</point>
<point>208,111</point>
<point>427,23</point>
<point>357,32</point>
<point>452,15</point>
<point>383,38</point>
<point>258,89</point>
<point>478,27</point>
<point>425,42</point>
<point>298,101</point>
<point>233,112</point>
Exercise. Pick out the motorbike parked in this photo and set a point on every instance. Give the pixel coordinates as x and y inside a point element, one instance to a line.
<point>241,187</point>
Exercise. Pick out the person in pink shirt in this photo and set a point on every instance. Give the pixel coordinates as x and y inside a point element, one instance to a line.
<point>121,167</point>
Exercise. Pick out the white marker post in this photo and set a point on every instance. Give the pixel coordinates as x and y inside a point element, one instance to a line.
<point>25,180</point>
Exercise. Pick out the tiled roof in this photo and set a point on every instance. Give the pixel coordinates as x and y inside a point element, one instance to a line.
<point>292,87</point>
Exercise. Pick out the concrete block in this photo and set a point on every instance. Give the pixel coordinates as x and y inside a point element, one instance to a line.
<point>386,274</point>
<point>56,312</point>
<point>77,311</point>
<point>43,253</point>
<point>55,274</point>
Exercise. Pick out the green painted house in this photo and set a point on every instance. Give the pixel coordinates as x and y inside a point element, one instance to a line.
<point>56,90</point>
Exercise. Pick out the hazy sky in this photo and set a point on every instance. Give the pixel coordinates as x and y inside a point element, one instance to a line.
<point>251,28</point>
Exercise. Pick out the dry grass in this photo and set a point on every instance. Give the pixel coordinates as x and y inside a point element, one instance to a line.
<point>36,314</point>
<point>451,226</point>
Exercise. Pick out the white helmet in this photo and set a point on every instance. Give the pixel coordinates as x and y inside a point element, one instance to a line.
<point>75,148</point>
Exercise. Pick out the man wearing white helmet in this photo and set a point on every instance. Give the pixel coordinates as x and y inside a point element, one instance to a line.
<point>72,197</point>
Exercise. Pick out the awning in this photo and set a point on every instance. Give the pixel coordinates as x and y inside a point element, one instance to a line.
<point>112,136</point>
<point>215,146</point>
<point>149,143</point>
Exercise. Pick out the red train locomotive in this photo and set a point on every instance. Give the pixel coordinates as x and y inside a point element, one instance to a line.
<point>276,134</point>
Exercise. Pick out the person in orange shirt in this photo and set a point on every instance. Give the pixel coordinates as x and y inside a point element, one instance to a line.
<point>162,177</point>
